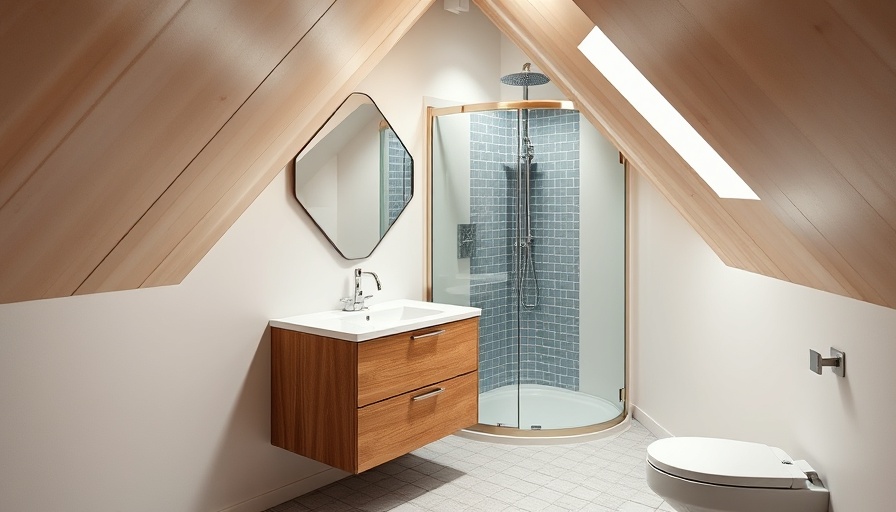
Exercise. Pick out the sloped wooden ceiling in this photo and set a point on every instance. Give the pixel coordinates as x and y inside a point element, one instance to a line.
<point>799,97</point>
<point>134,133</point>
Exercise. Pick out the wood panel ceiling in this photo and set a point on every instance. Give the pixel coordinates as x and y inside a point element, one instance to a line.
<point>133,134</point>
<point>799,97</point>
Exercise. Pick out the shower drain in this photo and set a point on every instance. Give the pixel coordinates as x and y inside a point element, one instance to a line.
<point>536,427</point>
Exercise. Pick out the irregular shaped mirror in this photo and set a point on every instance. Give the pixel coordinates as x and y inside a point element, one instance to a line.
<point>354,177</point>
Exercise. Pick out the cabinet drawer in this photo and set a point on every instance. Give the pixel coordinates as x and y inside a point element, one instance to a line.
<point>395,364</point>
<point>393,427</point>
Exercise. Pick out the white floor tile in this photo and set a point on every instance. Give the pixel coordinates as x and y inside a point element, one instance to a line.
<point>635,507</point>
<point>546,494</point>
<point>530,504</point>
<point>457,475</point>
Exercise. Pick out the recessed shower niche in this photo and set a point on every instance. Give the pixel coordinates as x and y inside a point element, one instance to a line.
<point>355,177</point>
<point>527,211</point>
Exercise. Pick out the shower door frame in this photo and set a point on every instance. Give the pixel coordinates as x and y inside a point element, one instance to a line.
<point>431,114</point>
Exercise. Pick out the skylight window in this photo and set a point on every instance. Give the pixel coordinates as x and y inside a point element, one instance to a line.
<point>626,78</point>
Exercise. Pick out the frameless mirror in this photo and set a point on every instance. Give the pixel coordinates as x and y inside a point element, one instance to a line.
<point>355,177</point>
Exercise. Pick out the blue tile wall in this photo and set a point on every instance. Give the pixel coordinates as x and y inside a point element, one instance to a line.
<point>548,351</point>
<point>492,207</point>
<point>399,175</point>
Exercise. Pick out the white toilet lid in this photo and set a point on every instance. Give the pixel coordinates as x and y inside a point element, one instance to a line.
<point>725,462</point>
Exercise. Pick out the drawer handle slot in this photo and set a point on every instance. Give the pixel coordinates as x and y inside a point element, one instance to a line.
<point>431,394</point>
<point>427,335</point>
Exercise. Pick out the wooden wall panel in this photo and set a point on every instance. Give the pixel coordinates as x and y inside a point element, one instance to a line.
<point>800,101</point>
<point>825,175</point>
<point>134,133</point>
<point>53,74</point>
<point>254,146</point>
<point>550,34</point>
<point>144,128</point>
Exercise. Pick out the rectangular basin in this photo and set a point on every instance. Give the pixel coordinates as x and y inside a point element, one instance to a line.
<point>379,320</point>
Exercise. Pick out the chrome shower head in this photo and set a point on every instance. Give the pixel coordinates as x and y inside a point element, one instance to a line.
<point>525,78</point>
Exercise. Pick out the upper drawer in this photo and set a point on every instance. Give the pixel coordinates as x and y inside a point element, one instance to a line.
<point>396,364</point>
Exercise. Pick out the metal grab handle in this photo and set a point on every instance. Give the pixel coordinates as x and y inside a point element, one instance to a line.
<point>837,361</point>
<point>427,335</point>
<point>431,394</point>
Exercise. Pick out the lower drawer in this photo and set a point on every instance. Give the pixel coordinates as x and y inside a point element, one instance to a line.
<point>396,426</point>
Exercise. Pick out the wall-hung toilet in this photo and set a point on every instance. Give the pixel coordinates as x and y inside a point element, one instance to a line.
<point>699,474</point>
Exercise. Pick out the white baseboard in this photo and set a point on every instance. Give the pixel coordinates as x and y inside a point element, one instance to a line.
<point>649,423</point>
<point>288,491</point>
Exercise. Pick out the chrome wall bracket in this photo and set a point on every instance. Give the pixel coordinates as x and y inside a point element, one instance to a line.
<point>837,362</point>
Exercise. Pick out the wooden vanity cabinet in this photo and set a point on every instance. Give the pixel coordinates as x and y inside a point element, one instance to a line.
<point>355,405</point>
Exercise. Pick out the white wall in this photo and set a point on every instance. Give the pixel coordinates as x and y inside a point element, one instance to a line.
<point>159,399</point>
<point>723,352</point>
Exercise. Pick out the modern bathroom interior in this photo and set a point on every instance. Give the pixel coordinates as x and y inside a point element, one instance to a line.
<point>151,232</point>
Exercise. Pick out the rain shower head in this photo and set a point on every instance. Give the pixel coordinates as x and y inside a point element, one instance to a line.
<point>525,78</point>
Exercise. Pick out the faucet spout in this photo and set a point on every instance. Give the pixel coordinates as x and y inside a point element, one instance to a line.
<point>356,302</point>
<point>379,285</point>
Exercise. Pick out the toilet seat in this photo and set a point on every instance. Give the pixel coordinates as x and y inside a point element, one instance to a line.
<point>726,462</point>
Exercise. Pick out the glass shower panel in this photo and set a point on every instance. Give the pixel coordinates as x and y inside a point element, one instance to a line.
<point>549,279</point>
<point>602,288</point>
<point>472,252</point>
<point>528,224</point>
<point>572,331</point>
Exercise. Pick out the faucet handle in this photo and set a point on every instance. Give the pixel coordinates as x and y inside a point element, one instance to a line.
<point>359,304</point>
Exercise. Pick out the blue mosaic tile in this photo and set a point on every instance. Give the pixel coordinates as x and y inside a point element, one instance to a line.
<point>548,334</point>
<point>398,175</point>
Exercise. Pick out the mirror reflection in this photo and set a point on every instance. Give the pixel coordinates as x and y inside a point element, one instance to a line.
<point>355,177</point>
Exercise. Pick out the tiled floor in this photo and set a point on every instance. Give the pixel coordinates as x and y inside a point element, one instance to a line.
<point>456,474</point>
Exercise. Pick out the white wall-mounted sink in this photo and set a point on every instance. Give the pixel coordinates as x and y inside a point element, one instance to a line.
<point>383,319</point>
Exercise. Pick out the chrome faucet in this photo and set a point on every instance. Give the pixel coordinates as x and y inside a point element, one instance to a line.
<point>356,301</point>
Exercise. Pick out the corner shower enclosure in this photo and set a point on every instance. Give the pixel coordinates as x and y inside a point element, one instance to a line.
<point>528,223</point>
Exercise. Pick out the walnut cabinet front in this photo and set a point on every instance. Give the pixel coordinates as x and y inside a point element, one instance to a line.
<point>355,405</point>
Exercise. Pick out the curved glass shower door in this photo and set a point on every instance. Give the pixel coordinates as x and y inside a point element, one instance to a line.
<point>528,223</point>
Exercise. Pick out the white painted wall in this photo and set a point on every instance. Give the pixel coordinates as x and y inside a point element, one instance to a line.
<point>159,399</point>
<point>723,352</point>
